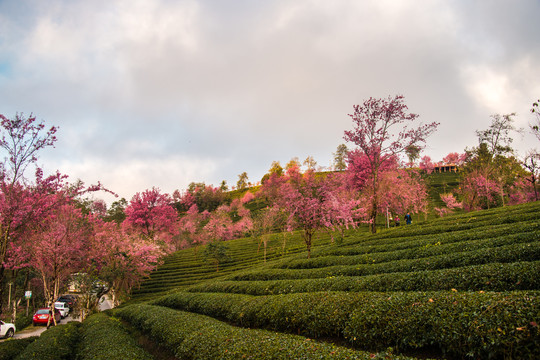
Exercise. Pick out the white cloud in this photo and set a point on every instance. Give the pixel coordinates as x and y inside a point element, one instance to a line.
<point>136,175</point>
<point>140,86</point>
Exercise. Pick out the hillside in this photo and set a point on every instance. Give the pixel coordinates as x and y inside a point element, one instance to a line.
<point>475,277</point>
<point>463,286</point>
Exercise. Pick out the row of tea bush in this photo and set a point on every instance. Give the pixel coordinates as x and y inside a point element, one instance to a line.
<point>477,324</point>
<point>193,336</point>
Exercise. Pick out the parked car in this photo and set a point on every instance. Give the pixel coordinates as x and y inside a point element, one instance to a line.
<point>6,329</point>
<point>42,316</point>
<point>63,307</point>
<point>71,300</point>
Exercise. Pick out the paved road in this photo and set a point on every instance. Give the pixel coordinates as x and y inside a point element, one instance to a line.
<point>37,330</point>
<point>104,304</point>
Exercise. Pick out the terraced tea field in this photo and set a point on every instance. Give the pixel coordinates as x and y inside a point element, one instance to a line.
<point>464,286</point>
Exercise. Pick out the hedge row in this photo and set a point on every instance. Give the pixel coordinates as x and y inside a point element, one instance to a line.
<point>485,325</point>
<point>490,277</point>
<point>415,241</point>
<point>502,254</point>
<point>408,247</point>
<point>469,221</point>
<point>193,336</point>
<point>57,343</point>
<point>9,350</point>
<point>426,249</point>
<point>454,256</point>
<point>106,338</point>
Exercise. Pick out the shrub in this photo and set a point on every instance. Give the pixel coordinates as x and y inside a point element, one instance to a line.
<point>105,338</point>
<point>13,347</point>
<point>501,254</point>
<point>485,325</point>
<point>23,321</point>
<point>192,336</point>
<point>488,277</point>
<point>57,343</point>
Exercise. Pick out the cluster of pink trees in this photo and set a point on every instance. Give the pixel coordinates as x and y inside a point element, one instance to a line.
<point>51,236</point>
<point>427,165</point>
<point>225,222</point>
<point>44,231</point>
<point>311,202</point>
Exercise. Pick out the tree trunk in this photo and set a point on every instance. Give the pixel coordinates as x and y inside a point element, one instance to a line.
<point>307,240</point>
<point>374,203</point>
<point>533,181</point>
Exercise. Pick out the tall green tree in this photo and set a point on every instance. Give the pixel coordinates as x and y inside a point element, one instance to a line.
<point>310,163</point>
<point>491,168</point>
<point>340,157</point>
<point>242,181</point>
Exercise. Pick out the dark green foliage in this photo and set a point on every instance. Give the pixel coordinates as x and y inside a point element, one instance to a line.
<point>446,260</point>
<point>488,277</point>
<point>23,321</point>
<point>216,252</point>
<point>193,336</point>
<point>461,324</point>
<point>467,285</point>
<point>57,343</point>
<point>106,338</point>
<point>10,349</point>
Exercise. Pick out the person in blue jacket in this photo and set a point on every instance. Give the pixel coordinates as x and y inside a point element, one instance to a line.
<point>408,219</point>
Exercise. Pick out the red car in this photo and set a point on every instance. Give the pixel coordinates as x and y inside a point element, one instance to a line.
<point>42,316</point>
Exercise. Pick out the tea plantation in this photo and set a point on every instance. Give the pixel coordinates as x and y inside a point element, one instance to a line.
<point>463,286</point>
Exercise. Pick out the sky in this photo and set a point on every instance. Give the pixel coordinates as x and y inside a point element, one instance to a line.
<point>162,93</point>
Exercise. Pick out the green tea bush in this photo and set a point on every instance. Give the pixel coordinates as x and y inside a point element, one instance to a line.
<point>10,349</point>
<point>106,338</point>
<point>486,325</point>
<point>502,254</point>
<point>57,343</point>
<point>479,326</point>
<point>192,336</point>
<point>417,247</point>
<point>475,220</point>
<point>488,277</point>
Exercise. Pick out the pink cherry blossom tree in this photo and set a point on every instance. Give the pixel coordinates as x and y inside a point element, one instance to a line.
<point>381,131</point>
<point>455,158</point>
<point>267,221</point>
<point>151,216</point>
<point>120,260</point>
<point>309,201</point>
<point>21,140</point>
<point>57,247</point>
<point>426,165</point>
<point>342,206</point>
<point>479,191</point>
<point>451,204</point>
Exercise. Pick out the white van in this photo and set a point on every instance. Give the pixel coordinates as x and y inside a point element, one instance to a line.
<point>62,307</point>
